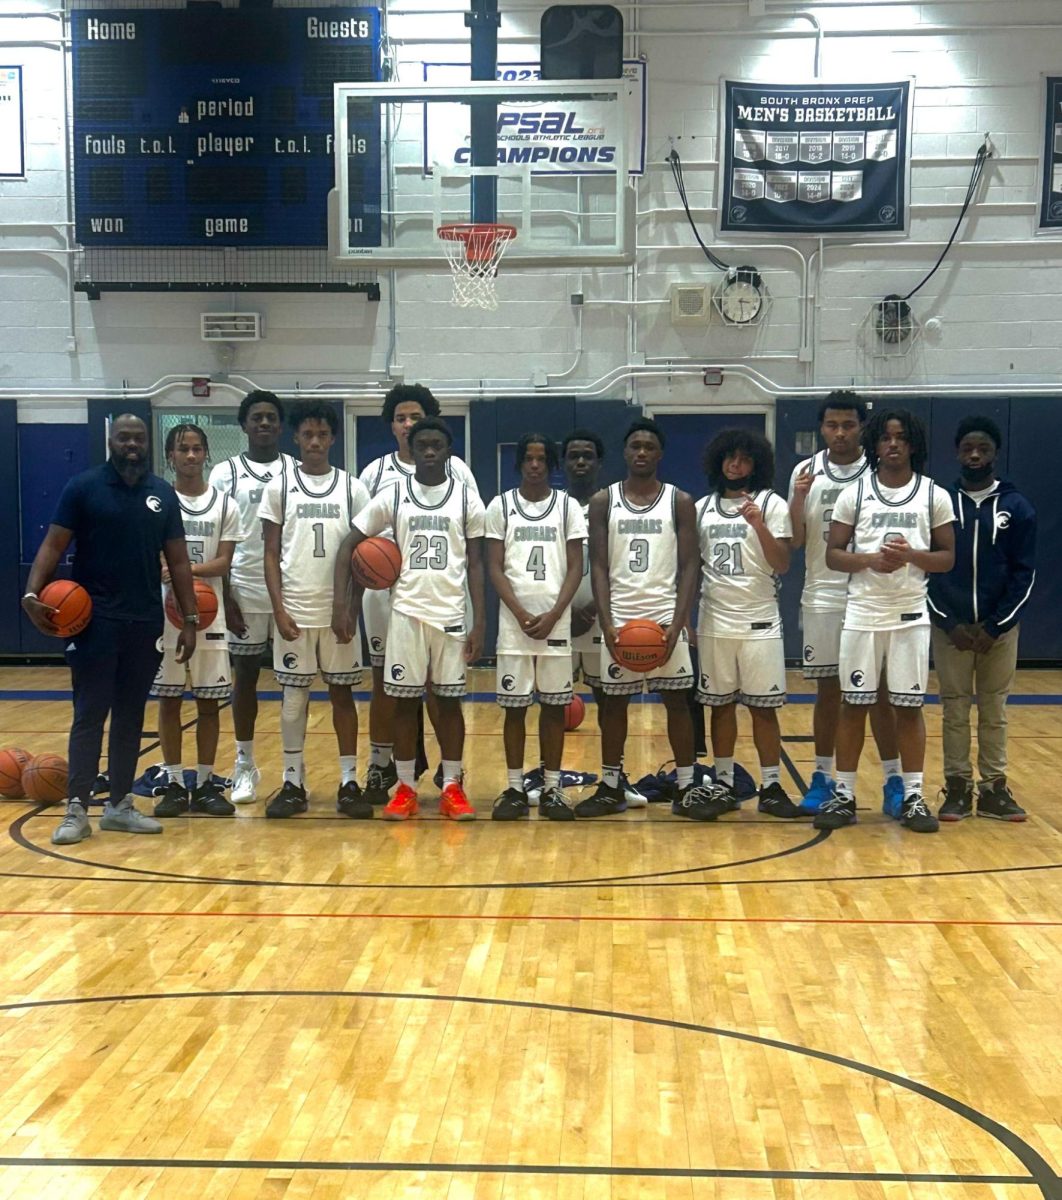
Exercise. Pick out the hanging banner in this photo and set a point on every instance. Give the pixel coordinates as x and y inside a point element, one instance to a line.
<point>12,140</point>
<point>814,158</point>
<point>1051,159</point>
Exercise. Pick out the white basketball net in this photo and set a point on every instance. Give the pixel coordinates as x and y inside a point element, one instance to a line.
<point>473,252</point>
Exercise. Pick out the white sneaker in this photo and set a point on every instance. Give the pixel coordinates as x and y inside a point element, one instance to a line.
<point>634,798</point>
<point>244,782</point>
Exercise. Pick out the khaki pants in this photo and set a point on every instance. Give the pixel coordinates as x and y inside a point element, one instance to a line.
<point>962,674</point>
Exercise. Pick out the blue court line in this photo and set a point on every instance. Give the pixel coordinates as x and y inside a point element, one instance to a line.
<point>1049,700</point>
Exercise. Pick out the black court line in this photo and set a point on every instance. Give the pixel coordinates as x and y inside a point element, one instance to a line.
<point>798,779</point>
<point>1040,1173</point>
<point>16,830</point>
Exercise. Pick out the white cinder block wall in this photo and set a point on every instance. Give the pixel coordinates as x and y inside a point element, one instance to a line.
<point>998,298</point>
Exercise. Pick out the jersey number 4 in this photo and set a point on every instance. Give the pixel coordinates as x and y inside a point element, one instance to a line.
<point>536,563</point>
<point>428,553</point>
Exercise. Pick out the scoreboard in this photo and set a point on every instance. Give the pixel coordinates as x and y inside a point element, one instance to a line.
<point>212,126</point>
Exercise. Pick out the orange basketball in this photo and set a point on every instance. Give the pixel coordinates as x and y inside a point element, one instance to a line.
<point>574,711</point>
<point>12,764</point>
<point>206,601</point>
<point>376,563</point>
<point>641,646</point>
<point>72,603</point>
<point>45,778</point>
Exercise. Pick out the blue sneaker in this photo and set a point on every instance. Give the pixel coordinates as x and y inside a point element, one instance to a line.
<point>820,791</point>
<point>892,797</point>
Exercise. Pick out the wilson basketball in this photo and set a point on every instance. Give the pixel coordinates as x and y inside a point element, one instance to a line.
<point>45,778</point>
<point>206,601</point>
<point>376,563</point>
<point>641,646</point>
<point>574,711</point>
<point>72,603</point>
<point>12,764</point>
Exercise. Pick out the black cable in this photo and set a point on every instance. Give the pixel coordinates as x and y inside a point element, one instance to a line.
<point>982,156</point>
<point>676,169</point>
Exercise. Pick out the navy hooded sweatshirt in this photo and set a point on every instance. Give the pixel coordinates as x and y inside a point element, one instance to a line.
<point>995,562</point>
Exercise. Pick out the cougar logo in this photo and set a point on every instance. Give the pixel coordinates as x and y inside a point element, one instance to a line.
<point>614,671</point>
<point>377,644</point>
<point>508,683</point>
<point>704,683</point>
<point>857,678</point>
<point>809,653</point>
<point>154,503</point>
<point>291,661</point>
<point>398,671</point>
<point>1002,520</point>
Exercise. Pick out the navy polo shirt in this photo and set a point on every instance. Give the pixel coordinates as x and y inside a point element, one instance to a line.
<point>119,532</point>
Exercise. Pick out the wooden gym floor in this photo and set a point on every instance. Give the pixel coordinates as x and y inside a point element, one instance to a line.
<point>630,1007</point>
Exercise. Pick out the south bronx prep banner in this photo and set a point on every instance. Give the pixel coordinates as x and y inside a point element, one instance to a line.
<point>814,158</point>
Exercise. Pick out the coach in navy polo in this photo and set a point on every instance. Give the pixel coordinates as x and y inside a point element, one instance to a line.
<point>123,520</point>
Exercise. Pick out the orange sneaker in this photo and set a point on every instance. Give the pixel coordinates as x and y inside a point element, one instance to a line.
<point>402,805</point>
<point>454,804</point>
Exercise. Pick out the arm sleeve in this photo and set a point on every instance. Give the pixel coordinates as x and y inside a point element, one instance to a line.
<point>494,523</point>
<point>1021,575</point>
<point>475,523</point>
<point>576,523</point>
<point>376,516</point>
<point>174,523</point>
<point>269,508</point>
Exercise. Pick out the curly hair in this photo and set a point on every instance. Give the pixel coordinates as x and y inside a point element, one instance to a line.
<point>746,441</point>
<point>844,401</point>
<point>983,425</point>
<point>912,427</point>
<point>314,410</point>
<point>548,444</point>
<point>409,393</point>
<point>174,436</point>
<point>258,397</point>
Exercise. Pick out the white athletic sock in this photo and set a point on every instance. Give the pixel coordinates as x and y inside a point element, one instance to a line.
<point>610,775</point>
<point>912,783</point>
<point>174,773</point>
<point>293,767</point>
<point>380,753</point>
<point>685,777</point>
<point>552,779</point>
<point>824,763</point>
<point>724,770</point>
<point>846,781</point>
<point>245,753</point>
<point>203,773</point>
<point>516,778</point>
<point>890,767</point>
<point>348,768</point>
<point>294,710</point>
<point>407,772</point>
<point>451,771</point>
<point>771,775</point>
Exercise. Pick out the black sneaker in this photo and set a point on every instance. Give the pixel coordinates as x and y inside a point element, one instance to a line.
<point>210,800</point>
<point>998,802</point>
<point>352,802</point>
<point>838,811</point>
<point>173,801</point>
<point>554,807</point>
<point>511,805</point>
<point>916,816</point>
<point>603,803</point>
<point>733,804</point>
<point>958,799</point>
<point>291,799</point>
<point>701,802</point>
<point>775,803</point>
<point>378,783</point>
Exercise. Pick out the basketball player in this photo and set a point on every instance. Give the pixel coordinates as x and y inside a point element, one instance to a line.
<point>643,564</point>
<point>404,405</point>
<point>211,530</point>
<point>535,539</point>
<point>889,529</point>
<point>437,522</point>
<point>306,513</point>
<point>248,612</point>
<point>744,535</point>
<point>813,490</point>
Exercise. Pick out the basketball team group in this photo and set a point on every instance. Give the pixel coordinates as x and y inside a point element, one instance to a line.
<point>632,587</point>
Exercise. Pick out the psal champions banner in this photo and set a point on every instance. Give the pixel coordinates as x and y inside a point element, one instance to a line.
<point>814,158</point>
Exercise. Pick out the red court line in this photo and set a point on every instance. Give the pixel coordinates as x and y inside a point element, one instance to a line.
<point>481,917</point>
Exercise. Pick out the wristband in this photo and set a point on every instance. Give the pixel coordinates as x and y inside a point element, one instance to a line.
<point>31,596</point>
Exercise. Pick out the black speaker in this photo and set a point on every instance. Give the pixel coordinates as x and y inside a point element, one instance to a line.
<point>582,41</point>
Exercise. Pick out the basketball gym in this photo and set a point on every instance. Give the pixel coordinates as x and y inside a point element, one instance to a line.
<point>709,212</point>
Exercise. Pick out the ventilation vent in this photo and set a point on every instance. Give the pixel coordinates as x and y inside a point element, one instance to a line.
<point>231,327</point>
<point>691,304</point>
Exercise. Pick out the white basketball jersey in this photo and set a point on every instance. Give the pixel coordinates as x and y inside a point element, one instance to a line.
<point>642,557</point>
<point>383,472</point>
<point>584,642</point>
<point>876,600</point>
<point>536,535</point>
<point>824,590</point>
<point>245,480</point>
<point>315,513</point>
<point>431,526</point>
<point>739,588</point>
<point>209,520</point>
